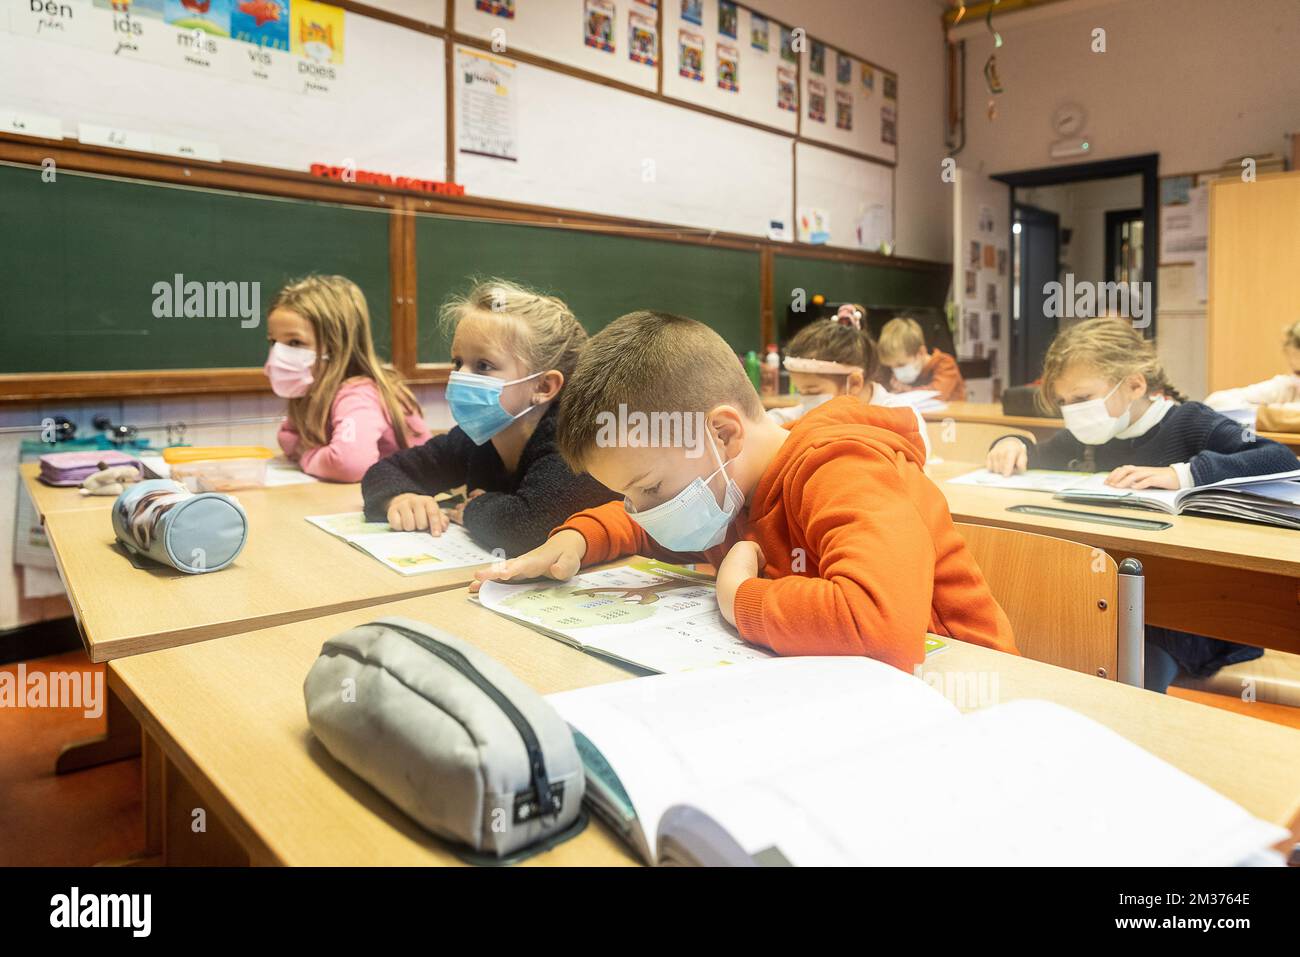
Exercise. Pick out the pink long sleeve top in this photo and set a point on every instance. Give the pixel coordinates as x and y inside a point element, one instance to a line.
<point>360,434</point>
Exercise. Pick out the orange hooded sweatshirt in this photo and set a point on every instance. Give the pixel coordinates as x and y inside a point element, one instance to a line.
<point>862,557</point>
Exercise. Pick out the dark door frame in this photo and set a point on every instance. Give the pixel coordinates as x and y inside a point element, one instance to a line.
<point>1146,165</point>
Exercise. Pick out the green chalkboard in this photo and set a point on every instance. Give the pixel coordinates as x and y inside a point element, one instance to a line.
<point>80,258</point>
<point>871,285</point>
<point>601,277</point>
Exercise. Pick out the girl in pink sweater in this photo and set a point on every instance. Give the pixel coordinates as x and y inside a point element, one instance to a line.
<point>347,410</point>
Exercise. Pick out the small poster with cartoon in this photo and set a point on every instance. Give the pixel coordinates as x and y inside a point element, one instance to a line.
<point>843,110</point>
<point>693,12</point>
<point>728,18</point>
<point>760,32</point>
<point>1002,262</point>
<point>891,87</point>
<point>690,53</point>
<point>643,38</point>
<point>787,46</point>
<point>728,67</point>
<point>598,25</point>
<point>817,101</point>
<point>496,8</point>
<point>264,23</point>
<point>868,79</point>
<point>888,125</point>
<point>210,16</point>
<point>843,69</point>
<point>787,90</point>
<point>817,58</point>
<point>317,31</point>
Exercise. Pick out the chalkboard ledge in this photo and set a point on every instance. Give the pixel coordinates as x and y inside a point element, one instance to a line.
<point>20,388</point>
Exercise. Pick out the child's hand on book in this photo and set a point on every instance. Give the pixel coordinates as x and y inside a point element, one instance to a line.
<point>559,557</point>
<point>1141,476</point>
<point>744,561</point>
<point>1008,456</point>
<point>416,513</point>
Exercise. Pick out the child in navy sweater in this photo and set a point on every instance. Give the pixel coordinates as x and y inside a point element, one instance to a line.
<point>512,349</point>
<point>1122,416</point>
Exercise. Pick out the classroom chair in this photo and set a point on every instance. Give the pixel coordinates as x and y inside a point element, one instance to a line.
<point>1069,604</point>
<point>967,441</point>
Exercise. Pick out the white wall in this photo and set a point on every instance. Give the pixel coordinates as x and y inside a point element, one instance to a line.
<point>905,37</point>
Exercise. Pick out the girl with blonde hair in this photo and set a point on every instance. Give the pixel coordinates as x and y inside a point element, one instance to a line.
<point>512,350</point>
<point>1123,416</point>
<point>347,409</point>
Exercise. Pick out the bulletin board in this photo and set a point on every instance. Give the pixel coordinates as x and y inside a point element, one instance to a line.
<point>731,62</point>
<point>559,31</point>
<point>325,86</point>
<point>855,197</point>
<point>433,12</point>
<point>590,147</point>
<point>848,102</point>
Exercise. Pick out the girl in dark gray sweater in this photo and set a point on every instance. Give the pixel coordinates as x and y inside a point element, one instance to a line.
<point>512,350</point>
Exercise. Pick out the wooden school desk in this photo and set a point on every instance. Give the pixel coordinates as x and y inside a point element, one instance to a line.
<point>227,731</point>
<point>289,570</point>
<point>990,413</point>
<point>1232,580</point>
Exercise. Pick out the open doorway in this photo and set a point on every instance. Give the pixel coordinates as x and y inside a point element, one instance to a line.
<point>1083,243</point>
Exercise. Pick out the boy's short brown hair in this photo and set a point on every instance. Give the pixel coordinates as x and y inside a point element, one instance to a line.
<point>649,362</point>
<point>901,337</point>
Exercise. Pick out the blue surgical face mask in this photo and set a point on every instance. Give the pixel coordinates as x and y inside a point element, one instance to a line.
<point>475,402</point>
<point>692,520</point>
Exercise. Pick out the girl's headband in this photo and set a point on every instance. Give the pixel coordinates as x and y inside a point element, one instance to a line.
<point>818,366</point>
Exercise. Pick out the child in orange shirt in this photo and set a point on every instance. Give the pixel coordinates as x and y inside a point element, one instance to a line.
<point>828,537</point>
<point>902,348</point>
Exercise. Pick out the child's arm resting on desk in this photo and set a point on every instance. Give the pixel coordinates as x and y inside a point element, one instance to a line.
<point>1231,452</point>
<point>590,537</point>
<point>875,579</point>
<point>437,465</point>
<point>521,520</point>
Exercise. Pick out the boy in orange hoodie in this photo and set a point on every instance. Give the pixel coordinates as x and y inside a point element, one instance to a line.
<point>827,536</point>
<point>913,366</point>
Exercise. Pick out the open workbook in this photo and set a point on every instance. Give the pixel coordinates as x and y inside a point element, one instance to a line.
<point>1267,499</point>
<point>643,612</point>
<point>848,761</point>
<point>407,553</point>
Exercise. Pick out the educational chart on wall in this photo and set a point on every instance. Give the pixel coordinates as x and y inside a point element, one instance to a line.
<point>282,83</point>
<point>726,57</point>
<point>848,102</point>
<point>487,123</point>
<point>618,39</point>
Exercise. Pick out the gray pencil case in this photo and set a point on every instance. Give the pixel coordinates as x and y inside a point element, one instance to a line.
<point>449,735</point>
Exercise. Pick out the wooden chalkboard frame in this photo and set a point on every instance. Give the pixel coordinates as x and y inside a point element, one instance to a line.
<point>27,388</point>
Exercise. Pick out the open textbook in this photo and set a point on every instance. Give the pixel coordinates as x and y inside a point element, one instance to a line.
<point>848,761</point>
<point>1267,499</point>
<point>407,553</point>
